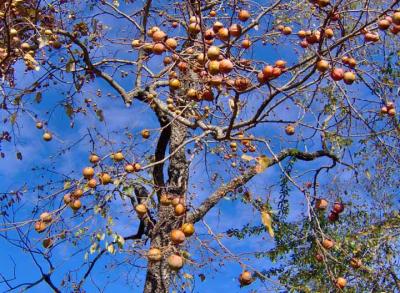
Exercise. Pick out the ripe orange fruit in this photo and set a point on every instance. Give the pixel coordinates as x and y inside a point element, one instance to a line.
<point>171,43</point>
<point>118,157</point>
<point>92,183</point>
<point>76,204</point>
<point>47,136</point>
<point>158,36</point>
<point>105,178</point>
<point>94,159</point>
<point>129,168</point>
<point>141,210</point>
<point>145,133</point>
<point>188,229</point>
<point>137,167</point>
<point>158,48</point>
<point>341,282</point>
<point>77,193</point>
<point>225,66</point>
<point>67,198</point>
<point>289,129</point>
<point>321,204</point>
<point>322,65</point>
<point>45,217</point>
<point>244,15</point>
<point>174,83</point>
<point>327,243</point>
<point>245,278</point>
<point>349,77</point>
<point>179,209</point>
<point>154,254</point>
<point>287,30</point>
<point>177,236</point>
<point>39,125</point>
<point>213,53</point>
<point>88,172</point>
<point>175,262</point>
<point>235,30</point>
<point>246,43</point>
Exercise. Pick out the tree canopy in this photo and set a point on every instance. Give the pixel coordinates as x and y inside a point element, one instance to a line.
<point>177,145</point>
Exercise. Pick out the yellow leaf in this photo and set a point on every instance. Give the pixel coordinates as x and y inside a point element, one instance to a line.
<point>267,221</point>
<point>247,158</point>
<point>187,276</point>
<point>262,163</point>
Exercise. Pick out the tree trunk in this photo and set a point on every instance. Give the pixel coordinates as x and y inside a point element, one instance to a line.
<point>158,273</point>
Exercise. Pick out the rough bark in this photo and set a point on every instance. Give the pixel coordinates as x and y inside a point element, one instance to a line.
<point>158,273</point>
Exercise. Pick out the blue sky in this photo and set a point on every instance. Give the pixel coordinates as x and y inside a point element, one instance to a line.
<point>229,214</point>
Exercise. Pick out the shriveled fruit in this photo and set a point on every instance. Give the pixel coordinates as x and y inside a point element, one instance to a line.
<point>40,226</point>
<point>355,263</point>
<point>165,200</point>
<point>338,207</point>
<point>177,236</point>
<point>175,262</point>
<point>88,172</point>
<point>333,216</point>
<point>319,257</point>
<point>154,254</point>
<point>47,243</point>
<point>45,217</point>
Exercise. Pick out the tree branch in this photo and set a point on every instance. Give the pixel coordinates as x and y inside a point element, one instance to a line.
<point>241,180</point>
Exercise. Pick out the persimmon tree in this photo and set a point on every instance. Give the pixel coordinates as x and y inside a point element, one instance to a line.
<point>265,106</point>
